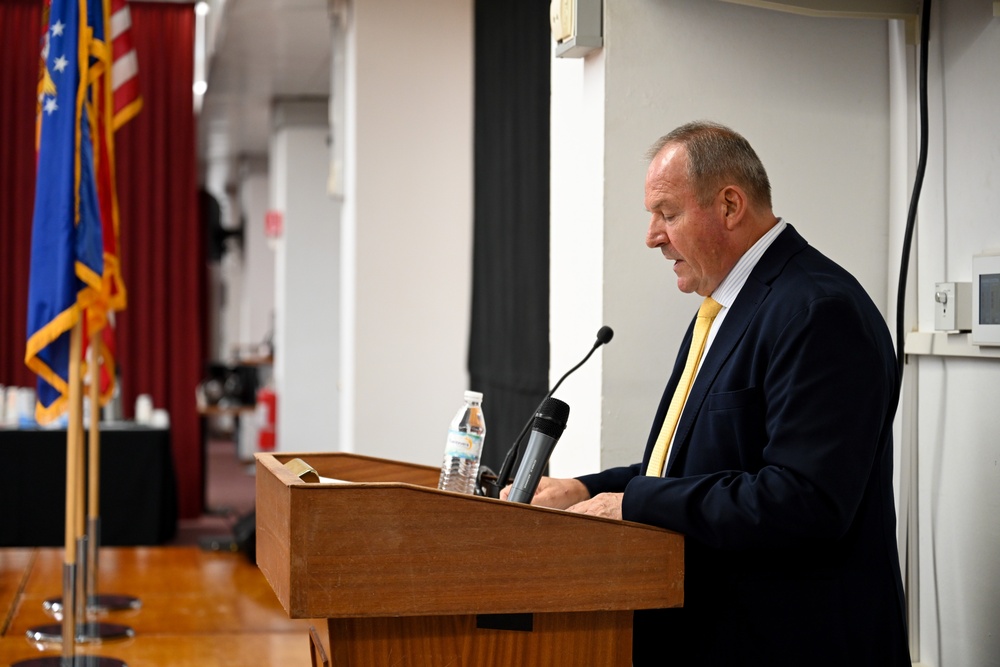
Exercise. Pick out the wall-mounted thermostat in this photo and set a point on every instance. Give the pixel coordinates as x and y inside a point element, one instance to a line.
<point>986,300</point>
<point>953,307</point>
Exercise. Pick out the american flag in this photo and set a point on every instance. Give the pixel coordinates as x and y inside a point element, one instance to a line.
<point>88,88</point>
<point>114,110</point>
<point>125,65</point>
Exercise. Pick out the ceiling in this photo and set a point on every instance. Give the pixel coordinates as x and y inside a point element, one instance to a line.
<point>257,51</point>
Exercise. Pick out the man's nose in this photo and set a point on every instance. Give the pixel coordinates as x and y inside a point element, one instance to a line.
<point>655,236</point>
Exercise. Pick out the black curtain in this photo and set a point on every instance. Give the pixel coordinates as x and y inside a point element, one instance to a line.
<point>509,346</point>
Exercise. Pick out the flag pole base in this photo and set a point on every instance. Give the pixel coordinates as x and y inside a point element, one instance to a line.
<point>72,661</point>
<point>98,604</point>
<point>86,633</point>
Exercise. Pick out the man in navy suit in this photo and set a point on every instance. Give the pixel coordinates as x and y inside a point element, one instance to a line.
<point>780,469</point>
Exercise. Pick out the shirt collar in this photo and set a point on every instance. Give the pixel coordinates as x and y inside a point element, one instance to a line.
<point>730,287</point>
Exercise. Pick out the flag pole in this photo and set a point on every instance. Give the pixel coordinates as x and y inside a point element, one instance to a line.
<point>89,533</point>
<point>94,478</point>
<point>95,601</point>
<point>80,504</point>
<point>67,633</point>
<point>74,626</point>
<point>73,456</point>
<point>80,557</point>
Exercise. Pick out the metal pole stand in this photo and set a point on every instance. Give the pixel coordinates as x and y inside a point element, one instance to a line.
<point>96,603</point>
<point>87,631</point>
<point>68,657</point>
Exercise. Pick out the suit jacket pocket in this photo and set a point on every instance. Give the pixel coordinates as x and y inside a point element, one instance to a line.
<point>749,398</point>
<point>734,424</point>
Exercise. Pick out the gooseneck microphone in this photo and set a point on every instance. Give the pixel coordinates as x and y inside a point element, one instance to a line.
<point>604,336</point>
<point>546,428</point>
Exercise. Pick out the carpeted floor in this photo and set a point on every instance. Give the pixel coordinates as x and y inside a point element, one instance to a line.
<point>229,498</point>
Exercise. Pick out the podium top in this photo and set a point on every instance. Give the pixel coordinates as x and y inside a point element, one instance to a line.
<point>389,543</point>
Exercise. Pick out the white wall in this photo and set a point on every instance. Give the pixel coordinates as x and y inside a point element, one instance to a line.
<point>372,278</point>
<point>257,307</point>
<point>256,304</point>
<point>407,225</point>
<point>306,361</point>
<point>576,263</point>
<point>958,420</point>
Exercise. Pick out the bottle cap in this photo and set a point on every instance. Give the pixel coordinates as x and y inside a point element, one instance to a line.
<point>476,396</point>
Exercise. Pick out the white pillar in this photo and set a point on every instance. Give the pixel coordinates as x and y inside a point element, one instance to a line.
<point>576,265</point>
<point>256,295</point>
<point>407,224</point>
<point>306,284</point>
<point>257,305</point>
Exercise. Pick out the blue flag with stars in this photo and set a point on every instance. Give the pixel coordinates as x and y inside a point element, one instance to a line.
<point>66,243</point>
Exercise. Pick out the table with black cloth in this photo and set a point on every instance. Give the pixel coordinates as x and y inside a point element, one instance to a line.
<point>138,487</point>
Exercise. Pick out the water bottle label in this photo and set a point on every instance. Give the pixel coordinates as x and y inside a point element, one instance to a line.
<point>463,445</point>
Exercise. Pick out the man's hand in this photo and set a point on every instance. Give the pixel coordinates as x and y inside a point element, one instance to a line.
<point>555,492</point>
<point>608,505</point>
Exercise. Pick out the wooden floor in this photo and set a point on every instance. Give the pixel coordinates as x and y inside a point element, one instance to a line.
<point>199,608</point>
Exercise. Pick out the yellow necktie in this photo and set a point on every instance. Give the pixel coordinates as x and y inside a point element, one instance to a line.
<point>706,314</point>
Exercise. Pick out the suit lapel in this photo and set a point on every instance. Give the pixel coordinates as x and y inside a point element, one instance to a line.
<point>732,330</point>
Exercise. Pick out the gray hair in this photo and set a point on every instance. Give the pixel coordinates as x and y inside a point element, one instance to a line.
<point>718,156</point>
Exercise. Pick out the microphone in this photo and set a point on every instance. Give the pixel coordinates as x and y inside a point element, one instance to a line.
<point>546,428</point>
<point>604,336</point>
<point>492,488</point>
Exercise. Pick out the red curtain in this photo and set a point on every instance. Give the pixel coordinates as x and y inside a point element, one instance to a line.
<point>162,333</point>
<point>20,48</point>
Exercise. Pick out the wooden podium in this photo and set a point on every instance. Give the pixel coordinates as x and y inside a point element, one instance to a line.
<point>411,576</point>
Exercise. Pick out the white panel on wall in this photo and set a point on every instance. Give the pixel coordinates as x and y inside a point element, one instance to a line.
<point>960,498</point>
<point>959,452</point>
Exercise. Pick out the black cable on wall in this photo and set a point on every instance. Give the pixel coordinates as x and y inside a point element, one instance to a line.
<point>925,31</point>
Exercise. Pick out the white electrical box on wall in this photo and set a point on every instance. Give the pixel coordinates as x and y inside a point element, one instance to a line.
<point>986,300</point>
<point>576,27</point>
<point>953,307</point>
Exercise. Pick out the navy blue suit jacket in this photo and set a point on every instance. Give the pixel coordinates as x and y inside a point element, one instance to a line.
<point>780,478</point>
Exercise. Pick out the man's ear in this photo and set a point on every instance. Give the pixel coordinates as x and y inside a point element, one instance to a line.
<point>733,201</point>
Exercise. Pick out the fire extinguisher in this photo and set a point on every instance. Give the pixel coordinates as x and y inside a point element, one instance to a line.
<point>266,412</point>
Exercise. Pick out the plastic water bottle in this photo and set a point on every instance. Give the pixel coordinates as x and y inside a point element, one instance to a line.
<point>464,446</point>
